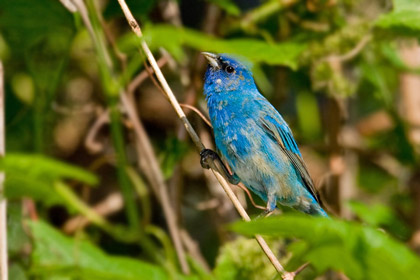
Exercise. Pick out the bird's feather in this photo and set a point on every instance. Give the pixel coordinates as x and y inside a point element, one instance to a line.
<point>283,136</point>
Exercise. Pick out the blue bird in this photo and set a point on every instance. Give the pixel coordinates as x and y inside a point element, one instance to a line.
<point>254,140</point>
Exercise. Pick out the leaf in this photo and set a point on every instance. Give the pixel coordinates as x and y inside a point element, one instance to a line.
<point>34,175</point>
<point>360,252</point>
<point>404,19</point>
<point>38,166</point>
<point>227,5</point>
<point>380,215</point>
<point>59,255</point>
<point>257,51</point>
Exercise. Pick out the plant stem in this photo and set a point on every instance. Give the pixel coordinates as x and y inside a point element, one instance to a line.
<point>3,202</point>
<point>111,88</point>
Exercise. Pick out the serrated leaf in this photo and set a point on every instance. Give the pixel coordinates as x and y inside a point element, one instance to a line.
<point>368,252</point>
<point>59,255</point>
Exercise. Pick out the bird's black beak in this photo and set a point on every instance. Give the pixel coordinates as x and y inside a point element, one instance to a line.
<point>213,59</point>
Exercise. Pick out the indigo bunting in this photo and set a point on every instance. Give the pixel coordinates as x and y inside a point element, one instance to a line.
<point>254,140</point>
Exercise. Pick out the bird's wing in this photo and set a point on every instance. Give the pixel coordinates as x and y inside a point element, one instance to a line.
<point>282,134</point>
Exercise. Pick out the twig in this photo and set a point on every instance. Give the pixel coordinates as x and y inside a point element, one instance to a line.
<point>91,142</point>
<point>136,28</point>
<point>352,53</point>
<point>111,204</point>
<point>162,190</point>
<point>3,202</point>
<point>197,112</point>
<point>135,83</point>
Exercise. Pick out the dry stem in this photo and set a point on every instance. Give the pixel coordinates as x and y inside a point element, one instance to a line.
<point>136,28</point>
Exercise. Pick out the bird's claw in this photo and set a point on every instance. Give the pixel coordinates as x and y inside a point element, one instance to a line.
<point>206,155</point>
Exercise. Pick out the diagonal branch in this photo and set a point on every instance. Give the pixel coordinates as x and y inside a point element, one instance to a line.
<point>136,28</point>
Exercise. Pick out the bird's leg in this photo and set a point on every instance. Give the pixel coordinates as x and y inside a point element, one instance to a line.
<point>210,157</point>
<point>271,206</point>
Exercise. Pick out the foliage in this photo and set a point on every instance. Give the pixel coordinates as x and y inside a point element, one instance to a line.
<point>67,258</point>
<point>358,251</point>
<point>338,71</point>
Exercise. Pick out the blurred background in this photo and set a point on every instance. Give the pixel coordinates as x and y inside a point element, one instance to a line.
<point>103,182</point>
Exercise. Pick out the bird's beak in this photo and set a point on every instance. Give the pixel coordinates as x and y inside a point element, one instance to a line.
<point>213,59</point>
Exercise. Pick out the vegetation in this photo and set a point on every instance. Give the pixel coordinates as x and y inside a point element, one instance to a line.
<point>103,182</point>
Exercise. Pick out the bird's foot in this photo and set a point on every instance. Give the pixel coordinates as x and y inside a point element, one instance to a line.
<point>210,159</point>
<point>207,155</point>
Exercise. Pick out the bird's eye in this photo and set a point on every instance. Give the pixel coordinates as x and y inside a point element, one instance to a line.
<point>230,69</point>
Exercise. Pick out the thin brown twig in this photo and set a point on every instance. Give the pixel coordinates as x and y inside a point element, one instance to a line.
<point>197,112</point>
<point>91,142</point>
<point>139,79</point>
<point>162,190</point>
<point>3,202</point>
<point>136,28</point>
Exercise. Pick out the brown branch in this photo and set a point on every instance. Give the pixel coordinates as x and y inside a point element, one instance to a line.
<point>136,28</point>
<point>158,180</point>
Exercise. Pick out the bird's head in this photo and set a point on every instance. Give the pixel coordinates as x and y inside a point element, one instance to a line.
<point>226,74</point>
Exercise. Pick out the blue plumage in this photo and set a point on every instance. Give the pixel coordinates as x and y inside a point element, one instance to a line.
<point>254,140</point>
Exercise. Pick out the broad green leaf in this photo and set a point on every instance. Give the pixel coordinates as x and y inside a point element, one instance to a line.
<point>360,252</point>
<point>38,167</point>
<point>257,51</point>
<point>35,175</point>
<point>67,258</point>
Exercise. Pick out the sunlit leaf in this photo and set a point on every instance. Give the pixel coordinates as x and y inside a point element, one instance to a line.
<point>59,255</point>
<point>360,252</point>
<point>258,51</point>
<point>34,176</point>
<point>40,167</point>
<point>405,17</point>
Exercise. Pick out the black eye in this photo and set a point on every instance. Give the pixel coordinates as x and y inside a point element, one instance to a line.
<point>230,69</point>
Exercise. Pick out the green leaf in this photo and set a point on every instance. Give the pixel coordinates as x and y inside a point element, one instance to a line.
<point>40,167</point>
<point>380,215</point>
<point>360,252</point>
<point>35,175</point>
<point>62,256</point>
<point>405,18</point>
<point>227,5</point>
<point>257,51</point>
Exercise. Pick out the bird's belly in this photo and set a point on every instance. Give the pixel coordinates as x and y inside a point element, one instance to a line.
<point>257,160</point>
